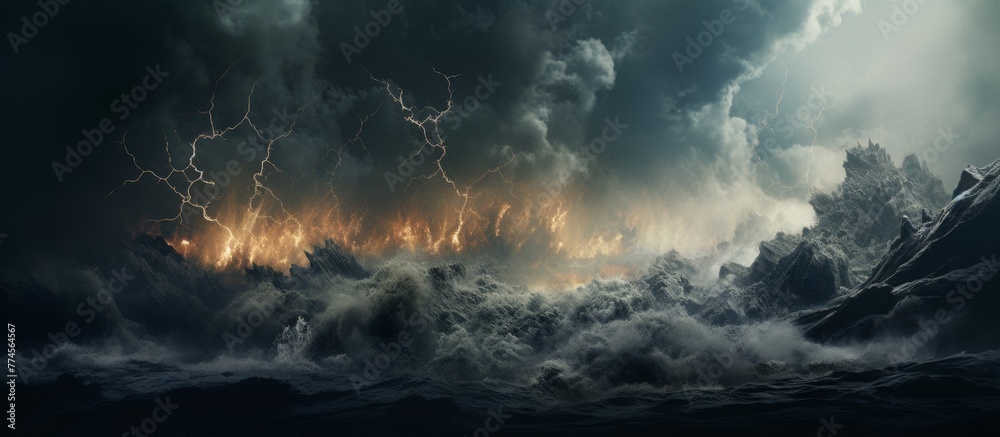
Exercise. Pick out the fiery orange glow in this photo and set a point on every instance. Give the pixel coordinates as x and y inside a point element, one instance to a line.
<point>243,236</point>
<point>264,223</point>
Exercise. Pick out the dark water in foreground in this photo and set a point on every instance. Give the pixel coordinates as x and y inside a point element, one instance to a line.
<point>959,395</point>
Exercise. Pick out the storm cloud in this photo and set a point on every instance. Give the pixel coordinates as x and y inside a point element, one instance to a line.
<point>666,123</point>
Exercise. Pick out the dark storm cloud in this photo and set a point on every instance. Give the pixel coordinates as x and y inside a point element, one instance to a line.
<point>605,60</point>
<point>558,84</point>
<point>68,79</point>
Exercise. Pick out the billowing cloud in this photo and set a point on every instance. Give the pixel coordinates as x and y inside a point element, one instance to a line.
<point>631,126</point>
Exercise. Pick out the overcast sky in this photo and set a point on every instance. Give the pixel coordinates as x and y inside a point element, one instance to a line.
<point>693,87</point>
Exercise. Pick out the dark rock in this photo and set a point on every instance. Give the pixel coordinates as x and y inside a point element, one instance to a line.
<point>906,228</point>
<point>329,260</point>
<point>855,226</point>
<point>733,271</point>
<point>944,273</point>
<point>258,274</point>
<point>675,263</point>
<point>854,314</point>
<point>809,275</point>
<point>668,279</point>
<point>771,252</point>
<point>970,177</point>
<point>159,245</point>
<point>862,216</point>
<point>959,237</point>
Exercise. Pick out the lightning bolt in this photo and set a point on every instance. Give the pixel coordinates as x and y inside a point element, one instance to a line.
<point>428,121</point>
<point>263,225</point>
<point>192,175</point>
<point>808,124</point>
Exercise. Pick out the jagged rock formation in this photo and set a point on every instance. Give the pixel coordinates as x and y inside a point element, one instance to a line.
<point>970,177</point>
<point>964,232</point>
<point>159,245</point>
<point>329,260</point>
<point>668,280</point>
<point>668,277</point>
<point>257,274</point>
<point>810,275</point>
<point>771,253</point>
<point>854,228</point>
<point>732,271</point>
<point>906,228</point>
<point>863,216</point>
<point>938,280</point>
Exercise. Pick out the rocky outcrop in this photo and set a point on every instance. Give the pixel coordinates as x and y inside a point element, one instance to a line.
<point>329,260</point>
<point>906,228</point>
<point>771,253</point>
<point>810,275</point>
<point>963,234</point>
<point>864,215</point>
<point>939,279</point>
<point>259,274</point>
<point>855,226</point>
<point>732,271</point>
<point>969,178</point>
<point>668,278</point>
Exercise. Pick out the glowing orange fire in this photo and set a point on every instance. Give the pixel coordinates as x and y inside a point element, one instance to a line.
<point>440,216</point>
<point>244,236</point>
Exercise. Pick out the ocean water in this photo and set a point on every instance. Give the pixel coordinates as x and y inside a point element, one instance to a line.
<point>446,349</point>
<point>957,395</point>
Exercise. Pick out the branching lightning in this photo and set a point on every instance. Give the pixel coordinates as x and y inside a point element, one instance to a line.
<point>184,189</point>
<point>263,227</point>
<point>430,129</point>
